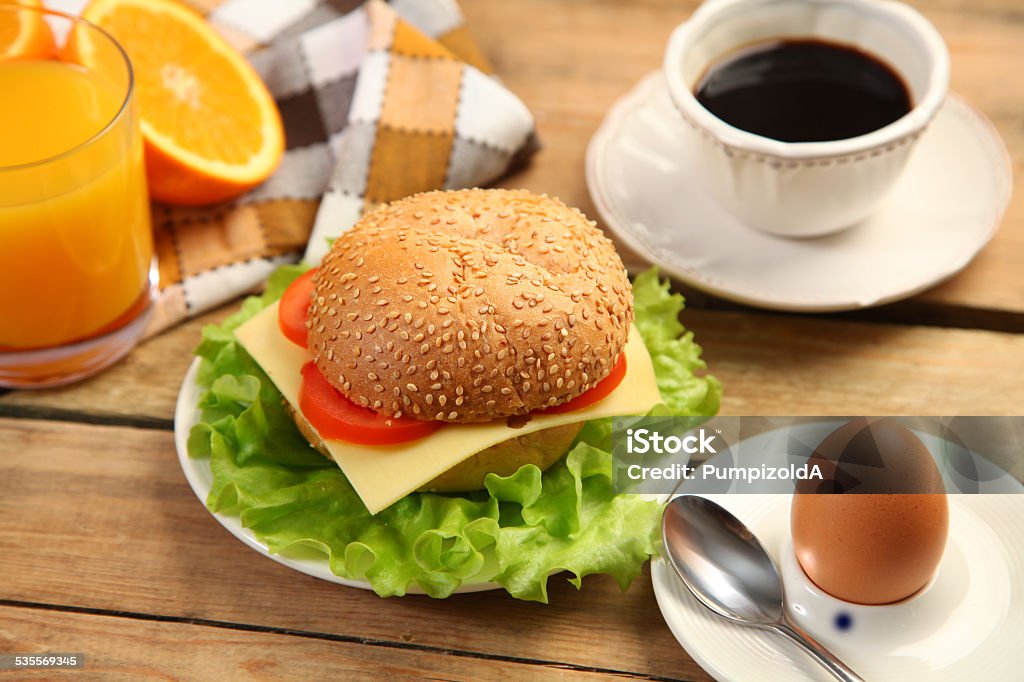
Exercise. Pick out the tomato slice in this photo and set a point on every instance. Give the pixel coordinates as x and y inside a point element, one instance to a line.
<point>291,312</point>
<point>335,417</point>
<point>599,392</point>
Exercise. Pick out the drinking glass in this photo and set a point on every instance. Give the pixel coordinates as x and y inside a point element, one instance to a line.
<point>76,247</point>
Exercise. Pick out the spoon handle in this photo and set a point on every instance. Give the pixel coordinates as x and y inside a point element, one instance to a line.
<point>826,658</point>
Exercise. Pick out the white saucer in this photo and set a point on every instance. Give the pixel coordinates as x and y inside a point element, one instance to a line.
<point>200,478</point>
<point>969,619</point>
<point>965,626</point>
<point>944,209</point>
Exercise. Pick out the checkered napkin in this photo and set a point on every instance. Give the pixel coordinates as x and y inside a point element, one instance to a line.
<point>379,101</point>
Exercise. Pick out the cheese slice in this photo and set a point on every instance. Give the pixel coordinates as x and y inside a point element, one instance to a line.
<point>383,474</point>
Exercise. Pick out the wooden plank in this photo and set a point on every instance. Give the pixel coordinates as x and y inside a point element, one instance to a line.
<point>140,649</point>
<point>142,388</point>
<point>569,61</point>
<point>796,365</point>
<point>101,517</point>
<point>769,364</point>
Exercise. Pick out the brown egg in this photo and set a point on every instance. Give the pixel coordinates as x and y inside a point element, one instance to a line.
<point>873,532</point>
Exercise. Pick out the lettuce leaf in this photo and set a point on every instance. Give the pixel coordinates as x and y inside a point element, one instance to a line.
<point>519,531</point>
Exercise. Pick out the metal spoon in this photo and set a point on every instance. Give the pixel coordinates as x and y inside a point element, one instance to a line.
<point>731,573</point>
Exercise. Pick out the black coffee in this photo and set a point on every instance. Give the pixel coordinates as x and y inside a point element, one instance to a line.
<point>804,91</point>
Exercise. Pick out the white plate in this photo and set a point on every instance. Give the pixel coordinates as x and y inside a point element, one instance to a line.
<point>965,626</point>
<point>944,209</point>
<point>197,471</point>
<point>977,605</point>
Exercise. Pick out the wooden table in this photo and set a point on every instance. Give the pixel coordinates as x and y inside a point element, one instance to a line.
<point>105,550</point>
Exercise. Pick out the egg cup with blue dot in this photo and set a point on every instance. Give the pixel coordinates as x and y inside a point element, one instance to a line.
<point>844,624</point>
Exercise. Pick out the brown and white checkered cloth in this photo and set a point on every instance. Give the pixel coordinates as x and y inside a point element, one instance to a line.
<point>379,101</point>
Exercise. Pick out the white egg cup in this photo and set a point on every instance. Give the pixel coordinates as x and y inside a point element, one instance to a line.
<point>820,614</point>
<point>805,189</point>
<point>946,615</point>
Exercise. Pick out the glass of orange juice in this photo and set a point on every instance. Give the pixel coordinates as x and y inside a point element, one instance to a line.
<point>76,248</point>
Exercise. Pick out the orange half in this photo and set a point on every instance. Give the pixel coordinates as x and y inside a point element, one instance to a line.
<point>211,128</point>
<point>24,35</point>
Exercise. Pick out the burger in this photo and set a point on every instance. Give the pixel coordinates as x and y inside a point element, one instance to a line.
<point>447,352</point>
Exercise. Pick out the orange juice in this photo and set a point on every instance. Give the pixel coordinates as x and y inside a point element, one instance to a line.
<point>75,240</point>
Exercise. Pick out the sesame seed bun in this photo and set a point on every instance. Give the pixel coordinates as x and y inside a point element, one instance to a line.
<point>469,306</point>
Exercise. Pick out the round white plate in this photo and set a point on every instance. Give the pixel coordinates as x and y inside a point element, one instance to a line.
<point>965,626</point>
<point>197,471</point>
<point>975,607</point>
<point>943,210</point>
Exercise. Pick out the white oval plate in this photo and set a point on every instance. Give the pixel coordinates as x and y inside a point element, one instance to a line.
<point>943,210</point>
<point>965,627</point>
<point>197,471</point>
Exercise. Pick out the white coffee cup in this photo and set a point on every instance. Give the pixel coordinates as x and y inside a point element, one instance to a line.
<point>805,189</point>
